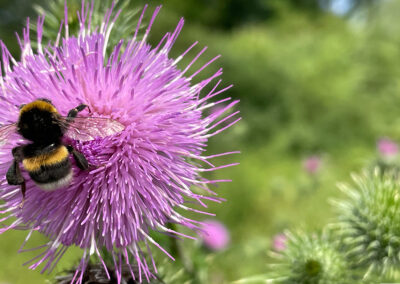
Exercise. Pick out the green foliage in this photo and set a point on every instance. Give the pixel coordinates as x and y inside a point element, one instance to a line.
<point>369,223</point>
<point>307,79</point>
<point>228,14</point>
<point>318,84</point>
<point>13,14</point>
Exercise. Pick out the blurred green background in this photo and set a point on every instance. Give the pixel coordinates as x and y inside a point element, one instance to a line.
<point>315,78</point>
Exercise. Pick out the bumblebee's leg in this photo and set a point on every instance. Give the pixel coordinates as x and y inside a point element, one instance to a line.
<point>23,190</point>
<point>80,159</point>
<point>74,112</point>
<point>14,176</point>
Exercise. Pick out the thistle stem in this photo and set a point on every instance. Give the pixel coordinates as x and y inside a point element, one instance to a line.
<point>178,251</point>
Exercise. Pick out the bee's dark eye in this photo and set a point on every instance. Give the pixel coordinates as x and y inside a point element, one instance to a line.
<point>21,106</point>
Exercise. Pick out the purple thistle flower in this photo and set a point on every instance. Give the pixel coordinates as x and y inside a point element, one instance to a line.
<point>312,164</point>
<point>279,242</point>
<point>387,148</point>
<point>215,235</point>
<point>143,173</point>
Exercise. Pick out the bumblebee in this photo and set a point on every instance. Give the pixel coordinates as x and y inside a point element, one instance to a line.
<point>46,158</point>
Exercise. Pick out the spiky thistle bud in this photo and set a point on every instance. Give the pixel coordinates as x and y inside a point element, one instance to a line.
<point>310,259</point>
<point>369,223</point>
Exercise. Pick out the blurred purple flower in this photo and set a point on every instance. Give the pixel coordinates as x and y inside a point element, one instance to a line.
<point>387,148</point>
<point>279,242</point>
<point>215,235</point>
<point>312,164</point>
<point>144,173</point>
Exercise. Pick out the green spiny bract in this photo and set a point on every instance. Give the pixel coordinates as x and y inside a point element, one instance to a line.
<point>369,223</point>
<point>54,13</point>
<point>310,259</point>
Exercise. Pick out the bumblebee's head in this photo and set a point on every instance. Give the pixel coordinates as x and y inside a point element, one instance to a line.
<point>38,121</point>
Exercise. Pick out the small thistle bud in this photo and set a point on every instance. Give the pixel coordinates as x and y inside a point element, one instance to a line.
<point>310,259</point>
<point>369,223</point>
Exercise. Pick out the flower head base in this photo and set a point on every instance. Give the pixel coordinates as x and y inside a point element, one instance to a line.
<point>215,235</point>
<point>142,174</point>
<point>95,273</point>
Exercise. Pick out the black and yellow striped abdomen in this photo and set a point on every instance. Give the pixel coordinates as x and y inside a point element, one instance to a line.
<point>50,170</point>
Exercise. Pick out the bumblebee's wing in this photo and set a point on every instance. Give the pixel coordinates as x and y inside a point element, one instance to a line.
<point>88,128</point>
<point>6,131</point>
